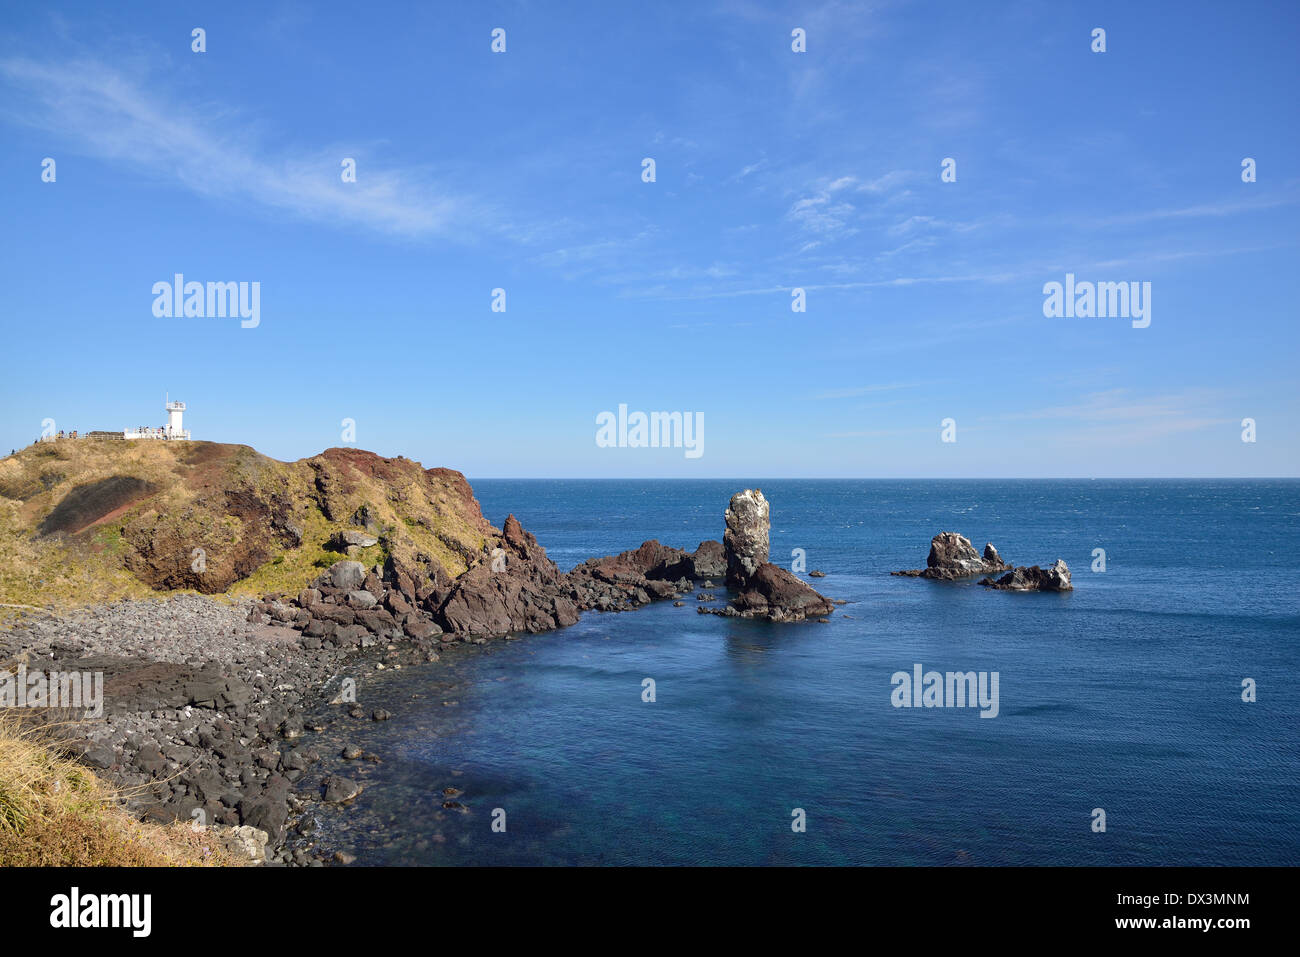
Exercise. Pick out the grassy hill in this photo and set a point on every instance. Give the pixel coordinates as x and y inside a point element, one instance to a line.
<point>85,520</point>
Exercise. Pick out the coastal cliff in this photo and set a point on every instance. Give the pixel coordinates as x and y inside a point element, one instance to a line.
<point>340,564</point>
<point>84,520</point>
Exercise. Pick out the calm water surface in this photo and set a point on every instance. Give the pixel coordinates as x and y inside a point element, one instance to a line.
<point>1124,695</point>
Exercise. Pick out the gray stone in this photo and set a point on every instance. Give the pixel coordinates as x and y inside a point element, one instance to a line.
<point>362,599</point>
<point>347,575</point>
<point>339,790</point>
<point>348,539</point>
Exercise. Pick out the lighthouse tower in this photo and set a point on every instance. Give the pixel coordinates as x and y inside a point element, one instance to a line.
<point>174,430</point>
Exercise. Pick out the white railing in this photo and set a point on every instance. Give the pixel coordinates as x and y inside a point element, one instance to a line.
<point>148,433</point>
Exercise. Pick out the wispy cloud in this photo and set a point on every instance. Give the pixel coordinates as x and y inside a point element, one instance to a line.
<point>876,284</point>
<point>884,183</point>
<point>747,170</point>
<point>823,215</point>
<point>109,115</point>
<point>853,392</point>
<point>875,433</point>
<point>586,257</point>
<point>830,209</point>
<point>1122,416</point>
<point>1201,210</point>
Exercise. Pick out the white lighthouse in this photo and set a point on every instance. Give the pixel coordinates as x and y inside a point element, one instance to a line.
<point>174,429</point>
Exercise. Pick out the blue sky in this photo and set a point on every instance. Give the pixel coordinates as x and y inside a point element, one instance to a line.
<point>774,169</point>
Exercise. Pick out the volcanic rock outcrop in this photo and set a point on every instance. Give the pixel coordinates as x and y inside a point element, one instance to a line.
<point>766,590</point>
<point>746,537</point>
<point>512,587</point>
<point>774,593</point>
<point>1033,578</point>
<point>953,557</point>
<point>710,560</point>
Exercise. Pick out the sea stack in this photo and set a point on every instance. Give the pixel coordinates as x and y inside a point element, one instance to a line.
<point>745,541</point>
<point>766,591</point>
<point>953,557</point>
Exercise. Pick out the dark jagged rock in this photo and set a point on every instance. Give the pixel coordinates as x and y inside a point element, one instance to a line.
<point>1033,578</point>
<point>709,560</point>
<point>774,593</point>
<point>656,562</point>
<point>953,557</point>
<point>511,588</point>
<point>651,572</point>
<point>650,560</point>
<point>746,538</point>
<point>265,814</point>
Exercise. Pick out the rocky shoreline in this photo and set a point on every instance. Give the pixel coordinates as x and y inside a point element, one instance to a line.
<point>209,705</point>
<point>212,705</point>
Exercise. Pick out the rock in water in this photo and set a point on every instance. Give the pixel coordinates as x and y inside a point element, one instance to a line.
<point>773,593</point>
<point>766,591</point>
<point>952,553</point>
<point>339,790</point>
<point>745,541</point>
<point>952,556</point>
<point>1059,574</point>
<point>1033,578</point>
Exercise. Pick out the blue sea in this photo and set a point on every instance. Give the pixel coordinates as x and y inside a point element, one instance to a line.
<point>1124,695</point>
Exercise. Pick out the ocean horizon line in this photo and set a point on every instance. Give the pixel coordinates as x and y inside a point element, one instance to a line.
<point>881,478</point>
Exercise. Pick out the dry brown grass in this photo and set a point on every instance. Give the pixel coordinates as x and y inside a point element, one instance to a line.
<point>54,812</point>
<point>422,513</point>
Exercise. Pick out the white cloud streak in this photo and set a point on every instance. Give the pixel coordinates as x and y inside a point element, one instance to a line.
<point>113,117</point>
